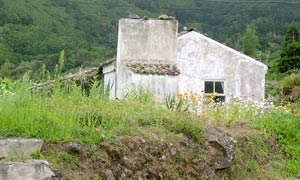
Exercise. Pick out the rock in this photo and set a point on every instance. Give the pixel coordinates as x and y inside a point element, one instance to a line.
<point>28,170</point>
<point>166,17</point>
<point>156,151</point>
<point>211,174</point>
<point>19,147</point>
<point>109,175</point>
<point>195,161</point>
<point>163,158</point>
<point>145,18</point>
<point>173,151</point>
<point>58,173</point>
<point>74,147</point>
<point>223,153</point>
<point>134,16</point>
<point>271,98</point>
<point>123,176</point>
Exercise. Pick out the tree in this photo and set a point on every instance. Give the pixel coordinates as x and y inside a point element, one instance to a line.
<point>290,55</point>
<point>250,41</point>
<point>292,35</point>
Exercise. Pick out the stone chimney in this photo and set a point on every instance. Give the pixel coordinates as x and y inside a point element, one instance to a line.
<point>147,41</point>
<point>150,41</point>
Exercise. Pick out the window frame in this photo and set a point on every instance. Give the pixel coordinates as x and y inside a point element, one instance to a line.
<point>214,88</point>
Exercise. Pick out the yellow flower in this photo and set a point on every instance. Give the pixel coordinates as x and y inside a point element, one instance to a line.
<point>194,100</point>
<point>294,110</point>
<point>179,95</point>
<point>288,104</point>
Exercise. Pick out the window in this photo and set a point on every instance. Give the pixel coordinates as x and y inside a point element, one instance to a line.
<point>215,86</point>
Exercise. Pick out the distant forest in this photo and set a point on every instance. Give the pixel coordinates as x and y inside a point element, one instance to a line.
<point>34,32</point>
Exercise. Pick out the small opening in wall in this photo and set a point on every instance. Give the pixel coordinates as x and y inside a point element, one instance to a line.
<point>215,87</point>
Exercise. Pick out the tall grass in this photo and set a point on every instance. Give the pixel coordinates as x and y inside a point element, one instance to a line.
<point>284,127</point>
<point>66,113</point>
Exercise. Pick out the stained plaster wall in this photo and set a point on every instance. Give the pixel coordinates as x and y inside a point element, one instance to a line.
<point>200,58</point>
<point>146,41</point>
<point>109,72</point>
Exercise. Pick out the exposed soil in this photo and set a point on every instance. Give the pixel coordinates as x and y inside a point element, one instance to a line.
<point>130,158</point>
<point>291,94</point>
<point>154,155</point>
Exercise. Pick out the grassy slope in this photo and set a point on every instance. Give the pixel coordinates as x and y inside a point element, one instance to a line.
<point>268,149</point>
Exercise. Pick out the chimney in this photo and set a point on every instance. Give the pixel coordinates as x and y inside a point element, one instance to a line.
<point>147,41</point>
<point>143,41</point>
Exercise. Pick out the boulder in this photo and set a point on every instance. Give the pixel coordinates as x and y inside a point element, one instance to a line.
<point>222,148</point>
<point>27,170</point>
<point>19,147</point>
<point>109,175</point>
<point>166,17</point>
<point>211,174</point>
<point>74,147</point>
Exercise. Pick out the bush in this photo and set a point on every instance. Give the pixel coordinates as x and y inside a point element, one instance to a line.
<point>291,81</point>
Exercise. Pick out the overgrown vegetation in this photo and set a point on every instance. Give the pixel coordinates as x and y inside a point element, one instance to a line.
<point>67,114</point>
<point>284,127</point>
<point>33,33</point>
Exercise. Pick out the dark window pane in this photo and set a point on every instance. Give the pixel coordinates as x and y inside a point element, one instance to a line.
<point>220,98</point>
<point>209,87</point>
<point>219,87</point>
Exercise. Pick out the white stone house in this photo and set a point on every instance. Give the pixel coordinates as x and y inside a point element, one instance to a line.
<point>153,55</point>
<point>209,66</point>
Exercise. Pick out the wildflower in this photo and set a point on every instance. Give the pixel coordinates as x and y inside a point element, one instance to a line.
<point>194,100</point>
<point>97,129</point>
<point>202,95</point>
<point>294,110</point>
<point>288,104</point>
<point>179,95</point>
<point>186,95</point>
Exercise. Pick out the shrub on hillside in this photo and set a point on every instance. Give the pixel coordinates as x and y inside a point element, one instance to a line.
<point>291,87</point>
<point>291,81</point>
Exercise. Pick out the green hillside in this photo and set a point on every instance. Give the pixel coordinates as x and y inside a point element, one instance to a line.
<point>33,32</point>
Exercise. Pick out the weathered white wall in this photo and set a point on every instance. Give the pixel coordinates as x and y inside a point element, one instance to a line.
<point>143,41</point>
<point>109,72</point>
<point>201,58</point>
<point>159,85</point>
<point>149,41</point>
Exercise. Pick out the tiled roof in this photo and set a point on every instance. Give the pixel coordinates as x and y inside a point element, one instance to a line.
<point>107,62</point>
<point>154,69</point>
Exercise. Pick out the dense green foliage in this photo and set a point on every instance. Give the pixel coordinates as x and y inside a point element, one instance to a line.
<point>250,41</point>
<point>290,56</point>
<point>285,128</point>
<point>34,32</point>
